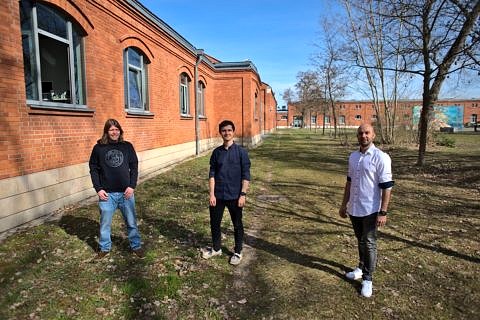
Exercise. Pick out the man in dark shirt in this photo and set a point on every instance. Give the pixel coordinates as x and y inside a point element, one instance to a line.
<point>229,178</point>
<point>114,172</point>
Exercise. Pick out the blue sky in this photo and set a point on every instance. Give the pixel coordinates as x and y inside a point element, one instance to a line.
<point>278,36</point>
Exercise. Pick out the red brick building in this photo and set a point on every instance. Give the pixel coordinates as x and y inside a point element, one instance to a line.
<point>66,66</point>
<point>353,113</point>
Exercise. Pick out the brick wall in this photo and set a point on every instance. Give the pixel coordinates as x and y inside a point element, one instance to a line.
<point>42,148</point>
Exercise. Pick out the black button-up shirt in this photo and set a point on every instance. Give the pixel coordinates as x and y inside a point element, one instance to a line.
<point>229,167</point>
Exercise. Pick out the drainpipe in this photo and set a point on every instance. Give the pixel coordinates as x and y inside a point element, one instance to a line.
<point>197,103</point>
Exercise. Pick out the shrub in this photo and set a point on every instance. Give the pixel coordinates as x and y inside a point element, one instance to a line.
<point>444,140</point>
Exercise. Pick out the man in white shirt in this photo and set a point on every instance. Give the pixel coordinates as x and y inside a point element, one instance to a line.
<point>365,200</point>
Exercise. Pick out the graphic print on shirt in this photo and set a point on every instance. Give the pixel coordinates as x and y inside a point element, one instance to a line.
<point>114,158</point>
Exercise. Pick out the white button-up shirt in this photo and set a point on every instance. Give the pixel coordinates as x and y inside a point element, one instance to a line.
<point>365,172</point>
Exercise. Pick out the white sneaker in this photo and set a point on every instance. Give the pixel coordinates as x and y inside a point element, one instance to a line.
<point>210,252</point>
<point>236,258</point>
<point>355,274</point>
<point>367,288</point>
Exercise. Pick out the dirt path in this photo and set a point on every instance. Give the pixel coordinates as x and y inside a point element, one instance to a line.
<point>244,285</point>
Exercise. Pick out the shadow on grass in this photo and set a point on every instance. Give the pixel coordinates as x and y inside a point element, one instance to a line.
<point>296,257</point>
<point>83,228</point>
<point>438,249</point>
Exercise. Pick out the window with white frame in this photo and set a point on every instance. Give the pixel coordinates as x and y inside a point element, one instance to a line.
<point>52,56</point>
<point>341,119</point>
<point>314,119</point>
<point>135,79</point>
<point>473,118</point>
<point>326,119</point>
<point>184,97</point>
<point>201,98</point>
<point>358,117</point>
<point>255,106</point>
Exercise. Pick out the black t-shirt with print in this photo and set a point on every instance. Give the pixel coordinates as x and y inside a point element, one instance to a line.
<point>113,166</point>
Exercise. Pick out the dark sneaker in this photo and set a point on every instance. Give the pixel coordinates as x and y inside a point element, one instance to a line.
<point>101,255</point>
<point>139,253</point>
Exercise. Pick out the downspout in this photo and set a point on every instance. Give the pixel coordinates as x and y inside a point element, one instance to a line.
<point>243,115</point>
<point>197,103</point>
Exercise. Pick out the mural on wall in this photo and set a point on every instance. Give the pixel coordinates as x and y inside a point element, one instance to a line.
<point>443,117</point>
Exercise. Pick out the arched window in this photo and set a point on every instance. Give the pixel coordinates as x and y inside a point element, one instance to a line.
<point>52,55</point>
<point>135,79</point>
<point>201,98</point>
<point>184,97</point>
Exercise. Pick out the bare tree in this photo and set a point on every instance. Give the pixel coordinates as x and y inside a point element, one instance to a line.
<point>371,36</point>
<point>309,93</point>
<point>437,38</point>
<point>331,69</point>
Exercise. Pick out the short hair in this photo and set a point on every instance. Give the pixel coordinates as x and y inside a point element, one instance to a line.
<point>225,123</point>
<point>108,124</point>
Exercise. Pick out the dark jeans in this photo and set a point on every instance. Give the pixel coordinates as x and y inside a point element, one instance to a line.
<point>365,229</point>
<point>216,215</point>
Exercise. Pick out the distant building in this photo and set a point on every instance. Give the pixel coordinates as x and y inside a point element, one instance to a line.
<point>68,66</point>
<point>456,113</point>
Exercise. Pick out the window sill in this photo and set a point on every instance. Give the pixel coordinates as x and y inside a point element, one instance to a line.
<point>53,108</point>
<point>202,118</point>
<point>186,117</point>
<point>139,114</point>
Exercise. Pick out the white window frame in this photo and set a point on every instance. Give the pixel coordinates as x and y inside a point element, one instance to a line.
<point>73,93</point>
<point>358,117</point>
<point>184,95</point>
<point>201,98</point>
<point>141,78</point>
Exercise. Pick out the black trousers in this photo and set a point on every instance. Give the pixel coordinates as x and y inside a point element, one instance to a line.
<point>216,215</point>
<point>365,229</point>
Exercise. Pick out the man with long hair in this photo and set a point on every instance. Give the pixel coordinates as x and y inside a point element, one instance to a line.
<point>114,172</point>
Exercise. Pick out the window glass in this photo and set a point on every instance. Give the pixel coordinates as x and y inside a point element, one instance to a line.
<point>184,101</point>
<point>201,98</point>
<point>54,67</point>
<point>78,67</point>
<point>30,72</point>
<point>51,21</point>
<point>134,89</point>
<point>136,95</point>
<point>52,54</point>
<point>134,58</point>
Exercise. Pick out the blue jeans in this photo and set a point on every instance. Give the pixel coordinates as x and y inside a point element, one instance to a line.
<point>107,209</point>
<point>365,229</point>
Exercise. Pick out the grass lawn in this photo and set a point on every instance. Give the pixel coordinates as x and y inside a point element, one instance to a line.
<point>297,248</point>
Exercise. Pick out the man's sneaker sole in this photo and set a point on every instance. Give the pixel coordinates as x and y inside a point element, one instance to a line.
<point>355,274</point>
<point>210,253</point>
